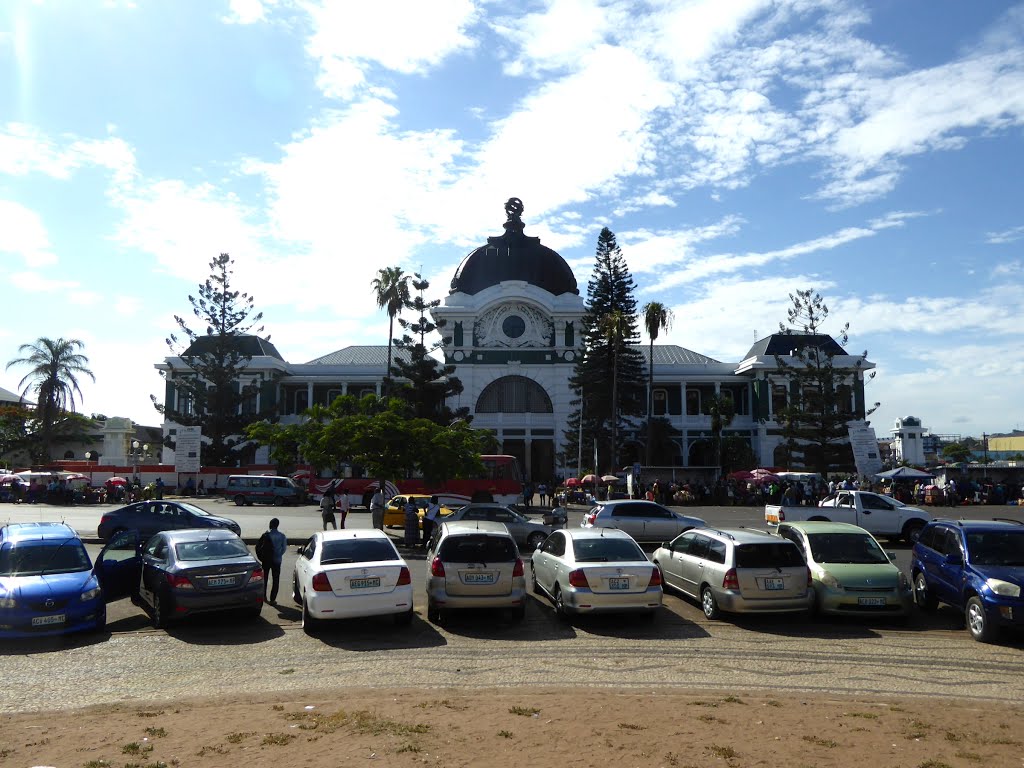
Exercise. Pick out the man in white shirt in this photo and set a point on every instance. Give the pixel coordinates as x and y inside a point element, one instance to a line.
<point>344,506</point>
<point>377,508</point>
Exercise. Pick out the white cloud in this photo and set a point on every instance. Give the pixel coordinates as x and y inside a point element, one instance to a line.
<point>1011,235</point>
<point>23,234</point>
<point>25,149</point>
<point>246,11</point>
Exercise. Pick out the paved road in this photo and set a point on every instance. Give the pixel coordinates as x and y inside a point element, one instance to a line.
<point>928,656</point>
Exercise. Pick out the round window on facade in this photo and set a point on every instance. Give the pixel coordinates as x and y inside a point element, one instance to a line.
<point>514,326</point>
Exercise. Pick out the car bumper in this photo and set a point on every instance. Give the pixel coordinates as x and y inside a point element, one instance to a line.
<point>840,602</point>
<point>734,602</point>
<point>327,605</point>
<point>442,599</point>
<point>79,618</point>
<point>586,601</point>
<point>1005,611</point>
<point>185,604</point>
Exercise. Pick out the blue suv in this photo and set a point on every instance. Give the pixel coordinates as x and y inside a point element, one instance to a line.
<point>976,566</point>
<point>47,584</point>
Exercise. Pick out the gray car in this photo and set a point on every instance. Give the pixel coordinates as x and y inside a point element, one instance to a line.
<point>643,520</point>
<point>474,564</point>
<point>527,533</point>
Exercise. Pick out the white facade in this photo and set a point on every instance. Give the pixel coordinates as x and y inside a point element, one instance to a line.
<point>908,440</point>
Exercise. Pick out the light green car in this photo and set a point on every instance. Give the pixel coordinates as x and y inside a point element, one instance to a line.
<point>852,574</point>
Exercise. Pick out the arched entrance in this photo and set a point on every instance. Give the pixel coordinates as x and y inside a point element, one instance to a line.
<point>531,440</point>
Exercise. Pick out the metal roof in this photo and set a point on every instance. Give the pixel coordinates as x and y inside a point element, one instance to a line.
<point>361,355</point>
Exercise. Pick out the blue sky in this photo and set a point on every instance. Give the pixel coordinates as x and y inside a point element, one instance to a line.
<point>739,149</point>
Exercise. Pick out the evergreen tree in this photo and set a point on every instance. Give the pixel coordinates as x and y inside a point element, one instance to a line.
<point>815,421</point>
<point>608,379</point>
<point>429,382</point>
<point>209,380</point>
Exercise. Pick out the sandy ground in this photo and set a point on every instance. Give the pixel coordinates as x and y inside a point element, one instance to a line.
<point>536,727</point>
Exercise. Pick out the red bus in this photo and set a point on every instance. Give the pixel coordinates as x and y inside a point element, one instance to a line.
<point>501,479</point>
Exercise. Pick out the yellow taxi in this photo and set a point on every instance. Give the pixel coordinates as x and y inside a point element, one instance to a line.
<point>394,511</point>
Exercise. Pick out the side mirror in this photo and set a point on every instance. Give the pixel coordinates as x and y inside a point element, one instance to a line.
<point>954,558</point>
<point>891,556</point>
<point>539,545</point>
<point>298,550</point>
<point>667,545</point>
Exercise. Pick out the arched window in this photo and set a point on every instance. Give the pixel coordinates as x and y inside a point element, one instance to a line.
<point>514,394</point>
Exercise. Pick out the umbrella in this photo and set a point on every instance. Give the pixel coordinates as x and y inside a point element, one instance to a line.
<point>589,478</point>
<point>763,476</point>
<point>571,482</point>
<point>905,473</point>
<point>8,479</point>
<point>76,476</point>
<point>611,479</point>
<point>117,481</point>
<point>741,474</point>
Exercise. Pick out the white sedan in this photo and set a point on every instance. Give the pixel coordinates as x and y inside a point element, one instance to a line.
<point>597,570</point>
<point>349,574</point>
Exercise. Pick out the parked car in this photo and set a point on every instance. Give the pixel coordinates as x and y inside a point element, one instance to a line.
<point>350,574</point>
<point>474,564</point>
<point>881,515</point>
<point>736,570</point>
<point>263,489</point>
<point>150,517</point>
<point>394,511</point>
<point>643,520</point>
<point>596,571</point>
<point>852,574</point>
<point>527,533</point>
<point>975,566</point>
<point>47,585</point>
<point>177,574</point>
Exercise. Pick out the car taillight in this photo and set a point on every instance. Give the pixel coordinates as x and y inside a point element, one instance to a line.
<point>404,577</point>
<point>655,578</point>
<point>782,515</point>
<point>578,579</point>
<point>257,574</point>
<point>321,583</point>
<point>517,569</point>
<point>731,580</point>
<point>437,568</point>
<point>591,519</point>
<point>179,581</point>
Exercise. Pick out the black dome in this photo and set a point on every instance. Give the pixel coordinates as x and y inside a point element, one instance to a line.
<point>514,256</point>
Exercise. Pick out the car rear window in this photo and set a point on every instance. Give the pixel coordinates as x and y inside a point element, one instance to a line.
<point>606,550</point>
<point>36,559</point>
<point>215,549</point>
<point>357,551</point>
<point>779,555</point>
<point>478,548</point>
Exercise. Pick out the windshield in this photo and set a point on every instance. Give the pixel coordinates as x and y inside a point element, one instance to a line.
<point>36,559</point>
<point>606,551</point>
<point>215,549</point>
<point>194,509</point>
<point>845,548</point>
<point>357,551</point>
<point>768,555</point>
<point>996,547</point>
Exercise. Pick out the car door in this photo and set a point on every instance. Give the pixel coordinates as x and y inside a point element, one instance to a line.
<point>672,567</point>
<point>155,559</point>
<point>118,566</point>
<point>546,560</point>
<point>878,515</point>
<point>304,565</point>
<point>949,568</point>
<point>692,564</point>
<point>625,518</point>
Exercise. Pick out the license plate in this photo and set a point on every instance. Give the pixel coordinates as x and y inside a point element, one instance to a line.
<point>774,584</point>
<point>42,621</point>
<point>364,583</point>
<point>772,519</point>
<point>870,601</point>
<point>618,583</point>
<point>478,578</point>
<point>221,581</point>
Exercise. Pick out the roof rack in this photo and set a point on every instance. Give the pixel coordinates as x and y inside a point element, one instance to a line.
<point>1008,520</point>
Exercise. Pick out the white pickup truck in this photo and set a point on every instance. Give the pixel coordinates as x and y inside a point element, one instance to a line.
<point>882,515</point>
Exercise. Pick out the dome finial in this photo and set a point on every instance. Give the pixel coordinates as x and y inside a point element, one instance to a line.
<point>514,212</point>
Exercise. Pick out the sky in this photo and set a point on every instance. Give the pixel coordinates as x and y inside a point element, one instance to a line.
<point>739,149</point>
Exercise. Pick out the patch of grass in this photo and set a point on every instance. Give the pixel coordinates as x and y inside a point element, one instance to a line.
<point>239,736</point>
<point>818,741</point>
<point>277,739</point>
<point>864,715</point>
<point>896,708</point>
<point>447,703</point>
<point>212,749</point>
<point>360,721</point>
<point>524,711</point>
<point>726,753</point>
<point>97,764</point>
<point>632,727</point>
<point>965,755</point>
<point>134,748</point>
<point>289,671</point>
<point>407,748</point>
<point>918,729</point>
<point>6,753</point>
<point>954,736</point>
<point>278,707</point>
<point>1008,742</point>
<point>709,719</point>
<point>934,764</point>
<point>733,700</point>
<point>773,703</point>
<point>156,732</point>
<point>149,713</point>
<point>702,703</point>
<point>160,764</point>
<point>505,734</point>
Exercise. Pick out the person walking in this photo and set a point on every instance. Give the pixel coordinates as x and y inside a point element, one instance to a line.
<point>327,509</point>
<point>430,519</point>
<point>160,489</point>
<point>344,504</point>
<point>412,523</point>
<point>377,507</point>
<point>270,551</point>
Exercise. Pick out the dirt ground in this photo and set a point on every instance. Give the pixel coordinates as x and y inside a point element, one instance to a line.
<point>540,728</point>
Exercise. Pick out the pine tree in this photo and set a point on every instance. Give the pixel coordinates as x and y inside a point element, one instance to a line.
<point>815,421</point>
<point>429,382</point>
<point>608,379</point>
<point>210,377</point>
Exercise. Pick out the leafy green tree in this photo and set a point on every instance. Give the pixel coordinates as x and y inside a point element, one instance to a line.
<point>722,411</point>
<point>657,318</point>
<point>54,368</point>
<point>815,421</point>
<point>209,379</point>
<point>392,289</point>
<point>956,452</point>
<point>428,383</point>
<point>608,378</point>
<point>737,454</point>
<point>14,431</point>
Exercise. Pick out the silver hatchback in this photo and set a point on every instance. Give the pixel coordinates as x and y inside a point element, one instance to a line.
<point>474,565</point>
<point>736,570</point>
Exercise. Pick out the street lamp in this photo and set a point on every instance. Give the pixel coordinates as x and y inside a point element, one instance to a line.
<point>88,460</point>
<point>136,453</point>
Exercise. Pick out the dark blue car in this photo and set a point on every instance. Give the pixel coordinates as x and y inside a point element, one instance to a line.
<point>150,517</point>
<point>976,566</point>
<point>47,584</point>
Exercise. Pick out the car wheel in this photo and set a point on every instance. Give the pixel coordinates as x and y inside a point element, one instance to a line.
<point>533,540</point>
<point>159,611</point>
<point>115,532</point>
<point>101,623</point>
<point>536,587</point>
<point>310,624</point>
<point>296,597</point>
<point>922,596</point>
<point>278,501</point>
<point>403,619</point>
<point>433,613</point>
<point>977,621</point>
<point>912,531</point>
<point>560,610</point>
<point>239,501</point>
<point>709,604</point>
<point>664,584</point>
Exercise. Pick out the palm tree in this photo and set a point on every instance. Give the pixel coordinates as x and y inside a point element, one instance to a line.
<point>722,411</point>
<point>55,365</point>
<point>614,326</point>
<point>656,318</point>
<point>392,287</point>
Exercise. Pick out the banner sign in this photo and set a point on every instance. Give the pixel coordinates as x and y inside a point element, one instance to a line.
<point>865,450</point>
<point>187,441</point>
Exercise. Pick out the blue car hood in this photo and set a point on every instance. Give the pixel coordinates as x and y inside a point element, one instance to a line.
<point>1011,573</point>
<point>52,585</point>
